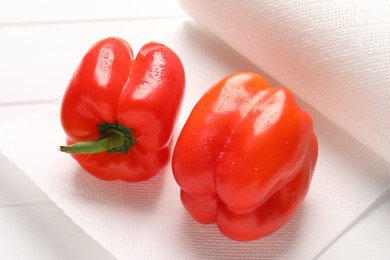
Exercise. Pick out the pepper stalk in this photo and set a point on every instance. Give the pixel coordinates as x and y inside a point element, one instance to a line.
<point>113,138</point>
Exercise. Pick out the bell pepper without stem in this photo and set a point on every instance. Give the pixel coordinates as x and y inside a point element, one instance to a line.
<point>119,113</point>
<point>245,157</point>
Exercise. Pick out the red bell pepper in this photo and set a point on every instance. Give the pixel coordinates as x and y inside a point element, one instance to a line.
<point>119,112</point>
<point>245,157</point>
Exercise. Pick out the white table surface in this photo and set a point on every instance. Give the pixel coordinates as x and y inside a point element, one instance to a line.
<point>31,225</point>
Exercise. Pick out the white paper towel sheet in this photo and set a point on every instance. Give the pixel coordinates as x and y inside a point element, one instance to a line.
<point>334,54</point>
<point>147,221</point>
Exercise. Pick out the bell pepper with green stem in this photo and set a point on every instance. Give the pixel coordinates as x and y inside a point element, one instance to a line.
<point>245,157</point>
<point>119,113</point>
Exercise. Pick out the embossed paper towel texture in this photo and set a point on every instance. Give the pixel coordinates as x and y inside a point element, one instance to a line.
<point>333,54</point>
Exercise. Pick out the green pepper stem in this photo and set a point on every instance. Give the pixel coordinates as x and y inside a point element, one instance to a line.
<point>114,138</point>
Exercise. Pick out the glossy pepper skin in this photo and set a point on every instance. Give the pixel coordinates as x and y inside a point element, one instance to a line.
<point>131,104</point>
<point>245,157</point>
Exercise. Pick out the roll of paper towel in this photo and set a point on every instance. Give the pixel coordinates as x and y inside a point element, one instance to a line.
<point>335,55</point>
